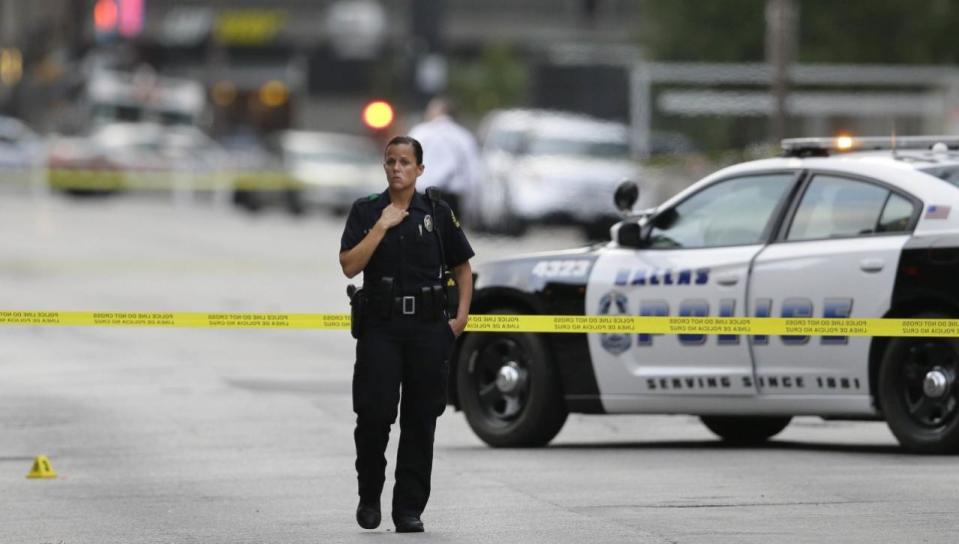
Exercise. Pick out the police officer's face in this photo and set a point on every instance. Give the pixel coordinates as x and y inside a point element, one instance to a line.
<point>401,168</point>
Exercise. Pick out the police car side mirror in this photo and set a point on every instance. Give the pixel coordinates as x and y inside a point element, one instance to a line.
<point>626,195</point>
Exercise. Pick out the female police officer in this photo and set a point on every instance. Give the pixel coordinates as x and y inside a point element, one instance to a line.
<point>401,240</point>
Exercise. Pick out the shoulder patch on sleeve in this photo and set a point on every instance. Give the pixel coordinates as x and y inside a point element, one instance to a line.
<point>456,222</point>
<point>373,196</point>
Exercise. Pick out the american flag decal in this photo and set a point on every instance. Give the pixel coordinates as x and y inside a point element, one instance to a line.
<point>934,211</point>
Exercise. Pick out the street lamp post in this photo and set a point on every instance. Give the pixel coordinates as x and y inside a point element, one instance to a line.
<point>781,18</point>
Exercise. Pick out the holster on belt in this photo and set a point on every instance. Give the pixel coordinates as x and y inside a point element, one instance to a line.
<point>357,309</point>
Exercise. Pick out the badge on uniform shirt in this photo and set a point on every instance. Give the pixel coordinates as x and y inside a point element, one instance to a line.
<point>428,223</point>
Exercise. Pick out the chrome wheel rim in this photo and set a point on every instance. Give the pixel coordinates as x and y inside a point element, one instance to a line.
<point>500,377</point>
<point>927,384</point>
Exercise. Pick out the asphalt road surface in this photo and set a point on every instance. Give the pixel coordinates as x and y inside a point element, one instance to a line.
<point>202,436</point>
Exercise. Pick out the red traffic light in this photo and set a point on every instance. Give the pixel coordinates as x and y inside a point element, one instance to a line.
<point>378,114</point>
<point>106,15</point>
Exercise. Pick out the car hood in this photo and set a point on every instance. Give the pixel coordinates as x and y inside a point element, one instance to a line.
<point>532,272</point>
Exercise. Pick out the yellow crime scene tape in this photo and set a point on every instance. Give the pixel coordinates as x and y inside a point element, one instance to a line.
<point>507,323</point>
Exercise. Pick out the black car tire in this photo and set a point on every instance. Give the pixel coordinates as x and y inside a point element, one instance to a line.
<point>513,225</point>
<point>745,430</point>
<point>294,202</point>
<point>247,200</point>
<point>529,418</point>
<point>921,423</point>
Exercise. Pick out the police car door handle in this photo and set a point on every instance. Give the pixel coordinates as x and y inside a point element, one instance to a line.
<point>871,265</point>
<point>728,280</point>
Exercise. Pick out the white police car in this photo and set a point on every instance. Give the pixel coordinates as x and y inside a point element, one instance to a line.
<point>835,228</point>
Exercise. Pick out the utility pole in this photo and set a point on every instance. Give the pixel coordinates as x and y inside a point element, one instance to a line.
<point>429,62</point>
<point>781,46</point>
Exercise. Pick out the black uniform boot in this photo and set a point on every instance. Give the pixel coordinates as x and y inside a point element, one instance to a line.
<point>368,515</point>
<point>408,523</point>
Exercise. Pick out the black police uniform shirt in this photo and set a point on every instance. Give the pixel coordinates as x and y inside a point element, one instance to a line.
<point>409,251</point>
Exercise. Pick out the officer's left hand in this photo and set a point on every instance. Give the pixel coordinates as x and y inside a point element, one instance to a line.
<point>457,326</point>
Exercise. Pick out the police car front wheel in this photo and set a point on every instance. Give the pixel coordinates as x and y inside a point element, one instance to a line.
<point>918,392</point>
<point>509,390</point>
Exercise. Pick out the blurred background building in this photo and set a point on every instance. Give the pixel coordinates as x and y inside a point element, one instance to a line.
<point>269,65</point>
<point>310,63</point>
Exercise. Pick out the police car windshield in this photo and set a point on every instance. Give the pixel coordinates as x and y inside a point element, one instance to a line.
<point>584,148</point>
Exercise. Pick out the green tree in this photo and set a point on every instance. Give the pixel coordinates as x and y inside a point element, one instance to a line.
<point>833,31</point>
<point>878,31</point>
<point>497,79</point>
<point>704,30</point>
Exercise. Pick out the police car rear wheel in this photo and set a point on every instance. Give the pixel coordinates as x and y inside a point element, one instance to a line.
<point>744,430</point>
<point>508,389</point>
<point>918,392</point>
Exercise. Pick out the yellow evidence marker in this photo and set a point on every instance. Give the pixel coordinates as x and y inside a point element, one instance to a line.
<point>41,468</point>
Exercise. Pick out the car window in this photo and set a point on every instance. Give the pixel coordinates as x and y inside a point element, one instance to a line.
<point>731,212</point>
<point>585,148</point>
<point>896,215</point>
<point>331,154</point>
<point>834,207</point>
<point>510,141</point>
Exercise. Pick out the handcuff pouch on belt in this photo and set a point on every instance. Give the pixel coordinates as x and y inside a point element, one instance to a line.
<point>432,301</point>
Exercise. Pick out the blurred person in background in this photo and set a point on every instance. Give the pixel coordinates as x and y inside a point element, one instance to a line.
<point>452,154</point>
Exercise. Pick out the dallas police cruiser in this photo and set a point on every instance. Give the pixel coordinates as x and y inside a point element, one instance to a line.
<point>835,228</point>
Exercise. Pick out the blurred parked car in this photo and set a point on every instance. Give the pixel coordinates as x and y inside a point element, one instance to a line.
<point>143,156</point>
<point>313,170</point>
<point>79,165</point>
<point>20,147</point>
<point>550,166</point>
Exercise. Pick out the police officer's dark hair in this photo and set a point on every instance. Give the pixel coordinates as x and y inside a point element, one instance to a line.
<point>406,140</point>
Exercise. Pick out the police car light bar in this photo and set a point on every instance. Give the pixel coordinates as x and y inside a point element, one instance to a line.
<point>823,147</point>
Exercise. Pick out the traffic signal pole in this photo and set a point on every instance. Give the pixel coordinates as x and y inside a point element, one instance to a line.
<point>781,16</point>
<point>429,68</point>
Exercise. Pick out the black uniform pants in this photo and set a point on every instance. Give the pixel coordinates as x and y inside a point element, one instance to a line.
<point>409,353</point>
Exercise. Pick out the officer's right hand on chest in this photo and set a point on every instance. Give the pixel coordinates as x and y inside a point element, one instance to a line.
<point>392,216</point>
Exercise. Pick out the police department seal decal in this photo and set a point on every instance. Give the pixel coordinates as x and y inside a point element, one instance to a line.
<point>428,223</point>
<point>614,303</point>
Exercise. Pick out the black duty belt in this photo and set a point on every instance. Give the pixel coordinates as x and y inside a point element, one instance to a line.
<point>428,304</point>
